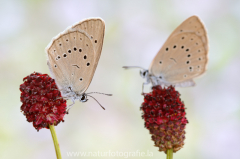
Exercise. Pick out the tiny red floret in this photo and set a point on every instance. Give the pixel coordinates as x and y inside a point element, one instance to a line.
<point>42,102</point>
<point>164,115</point>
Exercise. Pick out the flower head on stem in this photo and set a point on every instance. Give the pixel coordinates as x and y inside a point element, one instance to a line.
<point>42,102</point>
<point>164,115</point>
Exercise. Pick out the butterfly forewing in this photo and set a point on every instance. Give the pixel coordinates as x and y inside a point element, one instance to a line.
<point>184,54</point>
<point>95,28</point>
<point>72,60</point>
<point>192,24</point>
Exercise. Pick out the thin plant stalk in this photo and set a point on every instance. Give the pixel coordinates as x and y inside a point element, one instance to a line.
<point>170,154</point>
<point>55,141</point>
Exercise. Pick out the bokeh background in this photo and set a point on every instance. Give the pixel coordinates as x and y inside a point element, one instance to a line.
<point>135,31</point>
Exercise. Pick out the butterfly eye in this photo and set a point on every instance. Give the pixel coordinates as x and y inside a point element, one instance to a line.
<point>83,98</point>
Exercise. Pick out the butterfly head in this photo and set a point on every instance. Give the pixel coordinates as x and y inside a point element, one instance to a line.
<point>144,73</point>
<point>83,98</point>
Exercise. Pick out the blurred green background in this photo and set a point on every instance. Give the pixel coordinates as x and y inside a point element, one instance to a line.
<point>135,31</point>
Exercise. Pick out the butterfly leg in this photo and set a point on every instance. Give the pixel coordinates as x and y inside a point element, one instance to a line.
<point>145,83</point>
<point>66,98</point>
<point>148,80</point>
<point>70,106</point>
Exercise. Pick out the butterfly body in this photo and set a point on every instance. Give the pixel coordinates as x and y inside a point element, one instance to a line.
<point>73,56</point>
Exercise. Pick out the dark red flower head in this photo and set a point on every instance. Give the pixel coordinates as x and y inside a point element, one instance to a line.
<point>164,115</point>
<point>41,101</point>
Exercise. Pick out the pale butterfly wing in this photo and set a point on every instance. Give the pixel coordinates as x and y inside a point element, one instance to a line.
<point>72,60</point>
<point>95,28</point>
<point>183,56</point>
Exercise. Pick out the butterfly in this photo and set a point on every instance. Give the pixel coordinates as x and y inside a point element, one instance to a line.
<point>73,56</point>
<point>182,57</point>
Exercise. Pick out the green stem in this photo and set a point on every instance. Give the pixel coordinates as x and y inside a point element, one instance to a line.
<point>55,141</point>
<point>170,154</point>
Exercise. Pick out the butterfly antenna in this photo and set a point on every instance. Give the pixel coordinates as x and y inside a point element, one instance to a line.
<point>96,101</point>
<point>127,67</point>
<point>99,93</point>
